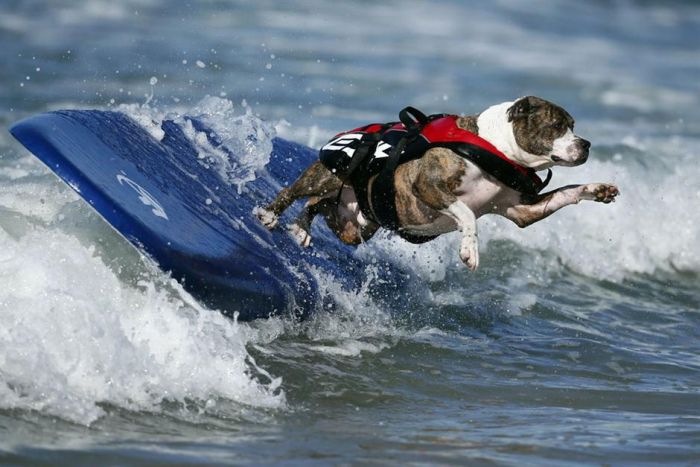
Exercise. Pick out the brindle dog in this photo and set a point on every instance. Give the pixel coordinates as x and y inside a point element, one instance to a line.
<point>442,192</point>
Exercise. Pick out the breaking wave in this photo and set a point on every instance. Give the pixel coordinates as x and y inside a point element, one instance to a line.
<point>88,322</point>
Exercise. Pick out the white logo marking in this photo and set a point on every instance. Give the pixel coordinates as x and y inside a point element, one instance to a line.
<point>144,196</point>
<point>342,142</point>
<point>381,150</point>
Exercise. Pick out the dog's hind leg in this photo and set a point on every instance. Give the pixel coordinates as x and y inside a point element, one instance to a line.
<point>342,215</point>
<point>435,186</point>
<point>316,180</point>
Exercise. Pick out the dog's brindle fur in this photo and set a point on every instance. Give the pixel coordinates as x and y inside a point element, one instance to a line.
<point>442,192</point>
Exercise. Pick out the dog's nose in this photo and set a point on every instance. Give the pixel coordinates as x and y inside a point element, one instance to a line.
<point>585,144</point>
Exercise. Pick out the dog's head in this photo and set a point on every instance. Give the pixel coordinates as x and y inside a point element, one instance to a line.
<point>544,135</point>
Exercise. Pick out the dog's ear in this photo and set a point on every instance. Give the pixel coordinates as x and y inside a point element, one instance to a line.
<point>522,107</point>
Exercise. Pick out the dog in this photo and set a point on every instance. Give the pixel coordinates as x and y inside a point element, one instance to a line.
<point>442,191</point>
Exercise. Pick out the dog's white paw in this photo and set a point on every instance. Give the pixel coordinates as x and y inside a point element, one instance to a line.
<point>469,253</point>
<point>268,218</point>
<point>300,235</point>
<point>599,192</point>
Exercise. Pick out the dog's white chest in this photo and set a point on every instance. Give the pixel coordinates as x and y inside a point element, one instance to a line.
<point>482,193</point>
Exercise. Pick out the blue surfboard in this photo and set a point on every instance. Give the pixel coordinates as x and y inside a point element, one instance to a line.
<point>183,215</point>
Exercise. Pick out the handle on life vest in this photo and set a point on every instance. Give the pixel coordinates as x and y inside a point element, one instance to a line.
<point>412,118</point>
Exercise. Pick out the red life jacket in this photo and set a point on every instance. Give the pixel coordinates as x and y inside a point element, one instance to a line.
<point>377,149</point>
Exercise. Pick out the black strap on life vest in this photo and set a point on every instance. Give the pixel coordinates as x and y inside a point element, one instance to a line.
<point>383,202</point>
<point>527,183</point>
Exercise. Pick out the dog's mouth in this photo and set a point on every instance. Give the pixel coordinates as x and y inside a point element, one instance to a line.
<point>561,161</point>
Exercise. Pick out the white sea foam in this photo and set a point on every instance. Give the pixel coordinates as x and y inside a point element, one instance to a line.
<point>244,134</point>
<point>350,348</point>
<point>356,325</point>
<point>652,226</point>
<point>75,336</point>
<point>33,198</point>
<point>148,117</point>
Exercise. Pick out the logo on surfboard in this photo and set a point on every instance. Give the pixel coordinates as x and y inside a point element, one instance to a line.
<point>144,196</point>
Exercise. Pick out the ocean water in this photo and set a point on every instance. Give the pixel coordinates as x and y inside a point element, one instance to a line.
<point>576,342</point>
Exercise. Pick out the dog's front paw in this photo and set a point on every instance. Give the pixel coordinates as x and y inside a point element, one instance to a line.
<point>301,236</point>
<point>267,218</point>
<point>469,253</point>
<point>600,192</point>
